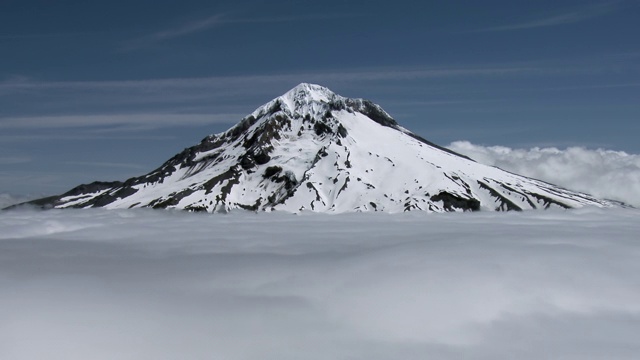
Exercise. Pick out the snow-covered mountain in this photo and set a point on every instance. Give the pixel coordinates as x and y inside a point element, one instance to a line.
<point>313,150</point>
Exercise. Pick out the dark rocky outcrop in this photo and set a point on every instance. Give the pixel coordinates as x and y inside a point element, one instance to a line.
<point>451,202</point>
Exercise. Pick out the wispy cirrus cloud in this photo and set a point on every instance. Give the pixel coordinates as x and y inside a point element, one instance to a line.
<point>207,23</point>
<point>33,36</point>
<point>575,16</point>
<point>49,35</point>
<point>118,122</point>
<point>160,103</point>
<point>10,160</point>
<point>190,27</point>
<point>57,101</point>
<point>107,164</point>
<point>357,74</point>
<point>184,29</point>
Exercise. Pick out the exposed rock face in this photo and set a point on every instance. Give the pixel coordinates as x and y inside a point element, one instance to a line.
<point>311,149</point>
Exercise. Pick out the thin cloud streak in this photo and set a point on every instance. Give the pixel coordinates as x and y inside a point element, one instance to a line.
<point>233,94</point>
<point>120,122</point>
<point>190,28</point>
<point>598,86</point>
<point>107,164</point>
<point>444,102</point>
<point>174,32</point>
<point>204,24</point>
<point>57,101</point>
<point>79,135</point>
<point>51,35</point>
<point>576,16</point>
<point>34,36</point>
<point>11,160</point>
<point>160,103</point>
<point>372,74</point>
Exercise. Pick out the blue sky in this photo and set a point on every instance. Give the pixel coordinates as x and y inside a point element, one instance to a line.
<point>97,90</point>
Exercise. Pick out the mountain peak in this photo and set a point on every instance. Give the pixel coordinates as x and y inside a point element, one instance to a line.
<point>316,101</point>
<point>310,90</point>
<point>300,97</point>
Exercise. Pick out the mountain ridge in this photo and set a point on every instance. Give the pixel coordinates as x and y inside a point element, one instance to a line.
<point>311,149</point>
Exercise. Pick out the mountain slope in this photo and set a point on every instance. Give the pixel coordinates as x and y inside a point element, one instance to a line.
<point>311,149</point>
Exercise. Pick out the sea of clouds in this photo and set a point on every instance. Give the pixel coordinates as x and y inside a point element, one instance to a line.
<point>143,284</point>
<point>603,173</point>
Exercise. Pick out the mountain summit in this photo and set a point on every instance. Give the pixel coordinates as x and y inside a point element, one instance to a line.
<point>313,150</point>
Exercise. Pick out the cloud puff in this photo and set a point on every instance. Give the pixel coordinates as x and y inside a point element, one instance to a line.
<point>602,173</point>
<point>143,284</point>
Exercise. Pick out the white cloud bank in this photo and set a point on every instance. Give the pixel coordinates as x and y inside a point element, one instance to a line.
<point>142,284</point>
<point>602,173</point>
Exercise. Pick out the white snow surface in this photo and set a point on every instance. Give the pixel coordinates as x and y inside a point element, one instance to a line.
<point>153,285</point>
<point>329,156</point>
